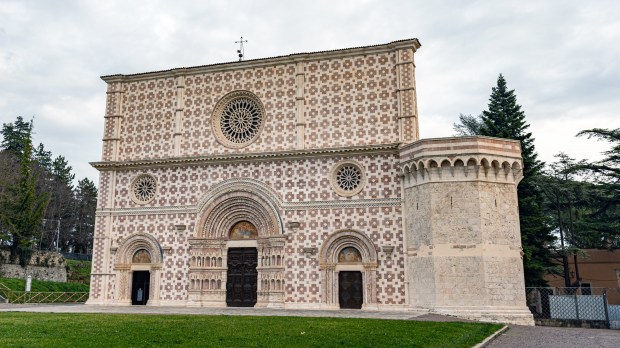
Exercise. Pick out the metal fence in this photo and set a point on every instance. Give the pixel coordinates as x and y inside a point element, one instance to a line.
<point>12,296</point>
<point>572,307</point>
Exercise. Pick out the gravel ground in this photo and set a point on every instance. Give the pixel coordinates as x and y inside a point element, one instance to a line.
<point>551,337</point>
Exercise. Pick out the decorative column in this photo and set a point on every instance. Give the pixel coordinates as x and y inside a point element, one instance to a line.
<point>406,96</point>
<point>330,285</point>
<point>270,287</point>
<point>300,122</point>
<point>178,115</point>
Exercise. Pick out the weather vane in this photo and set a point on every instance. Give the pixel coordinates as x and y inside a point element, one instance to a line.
<point>240,51</point>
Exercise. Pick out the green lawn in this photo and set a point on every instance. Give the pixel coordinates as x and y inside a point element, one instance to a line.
<point>114,330</point>
<point>78,271</point>
<point>43,286</point>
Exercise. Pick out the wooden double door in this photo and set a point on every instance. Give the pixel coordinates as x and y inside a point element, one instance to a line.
<point>350,289</point>
<point>242,277</point>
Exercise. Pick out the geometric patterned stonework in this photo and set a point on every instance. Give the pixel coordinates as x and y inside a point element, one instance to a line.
<point>317,113</point>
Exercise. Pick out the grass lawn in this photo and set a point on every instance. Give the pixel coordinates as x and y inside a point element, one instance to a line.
<point>114,330</point>
<point>43,286</point>
<point>78,271</point>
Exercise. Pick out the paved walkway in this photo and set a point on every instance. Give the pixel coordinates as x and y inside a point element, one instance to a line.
<point>552,337</point>
<point>516,336</point>
<point>82,308</point>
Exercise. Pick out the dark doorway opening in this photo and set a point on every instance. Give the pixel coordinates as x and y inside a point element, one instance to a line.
<point>140,287</point>
<point>242,277</point>
<point>350,289</point>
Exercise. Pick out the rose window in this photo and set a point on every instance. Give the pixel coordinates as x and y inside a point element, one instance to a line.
<point>238,119</point>
<point>144,188</point>
<point>241,120</point>
<point>349,177</point>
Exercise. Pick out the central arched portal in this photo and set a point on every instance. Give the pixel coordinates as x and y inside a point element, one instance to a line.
<point>237,252</point>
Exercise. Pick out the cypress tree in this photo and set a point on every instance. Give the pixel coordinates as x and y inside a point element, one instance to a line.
<point>505,119</point>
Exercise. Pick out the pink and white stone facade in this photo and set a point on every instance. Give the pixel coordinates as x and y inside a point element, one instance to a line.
<point>321,109</point>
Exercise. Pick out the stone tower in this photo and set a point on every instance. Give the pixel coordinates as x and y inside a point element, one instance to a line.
<point>461,220</point>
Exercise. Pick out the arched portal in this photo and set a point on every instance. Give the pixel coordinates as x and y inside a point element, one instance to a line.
<point>137,265</point>
<point>349,267</point>
<point>239,226</point>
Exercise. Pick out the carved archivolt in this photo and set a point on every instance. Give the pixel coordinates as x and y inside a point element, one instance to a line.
<point>340,240</point>
<point>139,241</point>
<point>238,201</point>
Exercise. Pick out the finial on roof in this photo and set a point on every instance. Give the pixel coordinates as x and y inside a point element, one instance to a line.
<point>240,51</point>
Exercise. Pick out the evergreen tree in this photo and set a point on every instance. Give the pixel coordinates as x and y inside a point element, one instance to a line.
<point>22,208</point>
<point>62,171</point>
<point>43,157</point>
<point>86,205</point>
<point>604,216</point>
<point>505,119</point>
<point>469,125</point>
<point>14,135</point>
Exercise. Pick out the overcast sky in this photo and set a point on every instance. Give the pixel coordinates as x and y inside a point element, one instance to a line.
<point>561,57</point>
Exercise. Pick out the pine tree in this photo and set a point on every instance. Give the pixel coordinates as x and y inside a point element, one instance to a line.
<point>505,119</point>
<point>22,208</point>
<point>469,125</point>
<point>86,205</point>
<point>62,171</point>
<point>604,217</point>
<point>43,157</point>
<point>14,135</point>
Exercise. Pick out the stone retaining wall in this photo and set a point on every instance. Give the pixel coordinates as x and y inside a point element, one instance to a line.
<point>44,265</point>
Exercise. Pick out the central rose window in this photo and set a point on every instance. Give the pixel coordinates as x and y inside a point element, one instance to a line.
<point>238,119</point>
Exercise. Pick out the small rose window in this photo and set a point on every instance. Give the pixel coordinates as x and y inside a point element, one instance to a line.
<point>143,189</point>
<point>347,178</point>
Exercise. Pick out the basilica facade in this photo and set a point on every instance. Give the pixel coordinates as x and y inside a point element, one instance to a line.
<point>301,181</point>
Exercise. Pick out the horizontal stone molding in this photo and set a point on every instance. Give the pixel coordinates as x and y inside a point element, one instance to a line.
<point>460,146</point>
<point>249,157</point>
<point>464,250</point>
<point>340,204</point>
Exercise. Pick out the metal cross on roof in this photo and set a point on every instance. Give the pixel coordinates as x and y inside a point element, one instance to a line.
<point>240,51</point>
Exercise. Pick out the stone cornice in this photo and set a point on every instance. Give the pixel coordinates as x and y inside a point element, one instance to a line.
<point>193,209</point>
<point>460,146</point>
<point>248,157</point>
<point>261,62</point>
